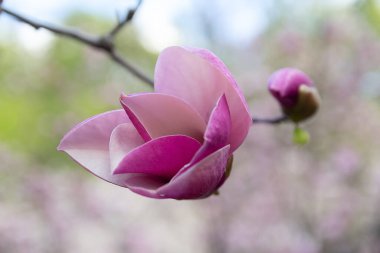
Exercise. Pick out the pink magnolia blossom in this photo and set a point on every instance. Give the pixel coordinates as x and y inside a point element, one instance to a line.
<point>173,143</point>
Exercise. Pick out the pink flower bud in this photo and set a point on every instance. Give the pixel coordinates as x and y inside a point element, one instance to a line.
<point>295,92</point>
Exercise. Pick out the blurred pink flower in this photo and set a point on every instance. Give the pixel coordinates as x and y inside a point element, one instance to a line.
<point>295,92</point>
<point>175,142</point>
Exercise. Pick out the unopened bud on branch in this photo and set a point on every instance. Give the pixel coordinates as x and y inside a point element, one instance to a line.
<point>295,92</point>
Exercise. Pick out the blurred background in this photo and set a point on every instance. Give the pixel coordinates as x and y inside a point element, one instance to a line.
<point>320,198</point>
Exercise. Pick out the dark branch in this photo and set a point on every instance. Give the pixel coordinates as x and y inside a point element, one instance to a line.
<point>74,34</point>
<point>104,42</point>
<point>273,121</point>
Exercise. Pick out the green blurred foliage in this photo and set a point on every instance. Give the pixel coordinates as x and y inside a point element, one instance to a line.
<point>41,94</point>
<point>370,9</point>
<point>300,136</point>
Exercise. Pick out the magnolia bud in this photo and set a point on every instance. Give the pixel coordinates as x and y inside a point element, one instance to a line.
<point>295,92</point>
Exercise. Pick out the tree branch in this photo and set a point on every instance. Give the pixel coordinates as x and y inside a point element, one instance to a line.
<point>104,43</point>
<point>273,121</point>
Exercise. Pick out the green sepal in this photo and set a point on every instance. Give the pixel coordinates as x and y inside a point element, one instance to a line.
<point>307,104</point>
<point>300,136</point>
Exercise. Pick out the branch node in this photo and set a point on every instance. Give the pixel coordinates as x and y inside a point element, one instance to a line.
<point>105,43</point>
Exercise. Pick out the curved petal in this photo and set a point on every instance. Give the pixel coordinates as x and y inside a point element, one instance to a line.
<point>124,138</point>
<point>145,185</point>
<point>162,157</point>
<point>200,181</point>
<point>200,78</point>
<point>184,74</point>
<point>162,114</point>
<point>136,121</point>
<point>217,133</point>
<point>88,144</point>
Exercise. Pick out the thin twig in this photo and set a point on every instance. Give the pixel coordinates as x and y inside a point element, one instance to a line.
<point>121,61</point>
<point>122,22</point>
<point>104,43</point>
<point>273,121</point>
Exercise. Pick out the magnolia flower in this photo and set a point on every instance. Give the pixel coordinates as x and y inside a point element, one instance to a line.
<point>175,142</point>
<point>295,92</point>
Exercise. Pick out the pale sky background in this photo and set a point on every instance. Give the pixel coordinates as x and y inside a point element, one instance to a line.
<point>160,22</point>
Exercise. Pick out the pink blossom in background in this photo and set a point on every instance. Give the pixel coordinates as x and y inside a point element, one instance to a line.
<point>172,143</point>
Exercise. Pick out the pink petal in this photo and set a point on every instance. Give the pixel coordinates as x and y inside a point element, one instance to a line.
<point>124,138</point>
<point>88,144</point>
<point>145,185</point>
<point>284,85</point>
<point>200,78</point>
<point>200,180</point>
<point>217,133</point>
<point>162,157</point>
<point>161,114</point>
<point>135,121</point>
<point>184,74</point>
<point>218,129</point>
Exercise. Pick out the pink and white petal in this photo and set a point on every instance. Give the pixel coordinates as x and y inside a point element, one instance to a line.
<point>87,143</point>
<point>200,181</point>
<point>162,157</point>
<point>124,138</point>
<point>94,132</point>
<point>211,58</point>
<point>162,114</point>
<point>183,74</point>
<point>200,78</point>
